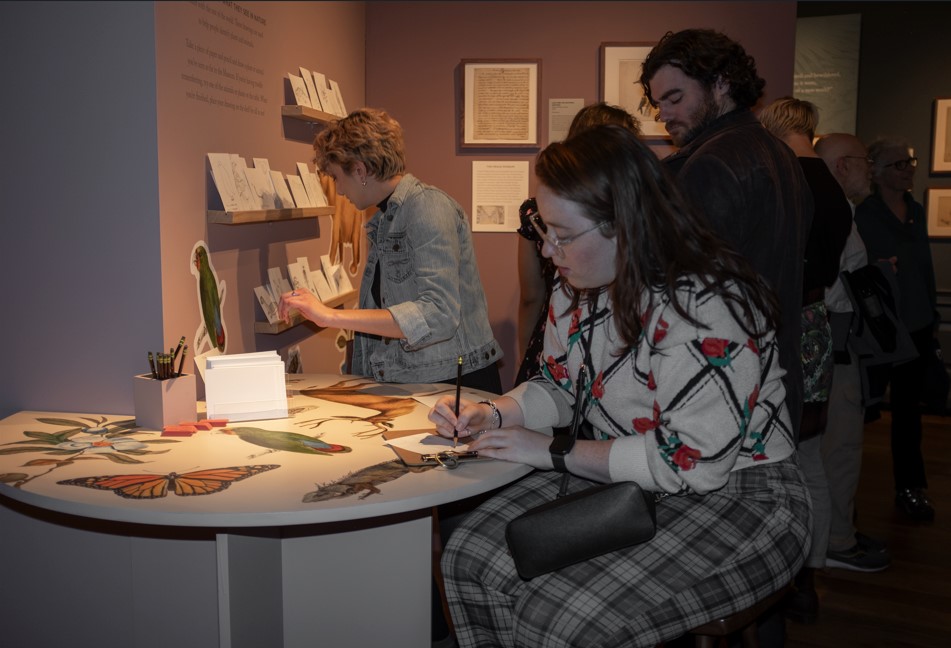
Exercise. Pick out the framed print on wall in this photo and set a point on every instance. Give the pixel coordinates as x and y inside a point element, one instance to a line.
<point>938,207</point>
<point>620,84</point>
<point>941,137</point>
<point>500,106</point>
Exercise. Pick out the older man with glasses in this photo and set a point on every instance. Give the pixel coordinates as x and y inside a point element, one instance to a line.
<point>893,226</point>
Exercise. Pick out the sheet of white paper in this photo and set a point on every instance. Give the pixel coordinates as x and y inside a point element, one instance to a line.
<point>498,190</point>
<point>311,185</point>
<point>328,269</point>
<point>246,197</point>
<point>422,443</point>
<point>311,90</point>
<point>220,164</point>
<point>297,277</point>
<point>276,281</point>
<point>338,97</point>
<point>262,189</point>
<point>325,94</point>
<point>301,93</point>
<point>343,281</point>
<point>267,304</point>
<point>560,114</point>
<point>297,190</point>
<point>322,287</point>
<point>305,267</point>
<point>282,191</point>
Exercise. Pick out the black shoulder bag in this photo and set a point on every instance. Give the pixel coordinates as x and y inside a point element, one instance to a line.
<point>576,527</point>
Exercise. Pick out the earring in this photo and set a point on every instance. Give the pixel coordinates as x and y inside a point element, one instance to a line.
<point>364,183</point>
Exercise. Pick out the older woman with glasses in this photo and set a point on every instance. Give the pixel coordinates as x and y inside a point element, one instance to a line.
<point>673,336</point>
<point>894,226</point>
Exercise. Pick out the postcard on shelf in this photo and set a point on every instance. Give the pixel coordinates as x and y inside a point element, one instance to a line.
<point>301,94</point>
<point>298,278</point>
<point>343,279</point>
<point>323,290</point>
<point>335,87</point>
<point>298,191</point>
<point>279,285</point>
<point>282,191</point>
<point>305,267</point>
<point>262,189</point>
<point>246,386</point>
<point>312,185</point>
<point>311,90</point>
<point>245,195</point>
<point>267,304</point>
<point>328,269</point>
<point>223,176</point>
<point>326,94</point>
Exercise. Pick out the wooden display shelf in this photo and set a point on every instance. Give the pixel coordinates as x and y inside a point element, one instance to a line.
<point>267,328</point>
<point>266,215</point>
<point>304,113</point>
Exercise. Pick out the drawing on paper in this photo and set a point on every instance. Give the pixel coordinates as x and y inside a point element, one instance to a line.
<point>349,392</point>
<point>211,296</point>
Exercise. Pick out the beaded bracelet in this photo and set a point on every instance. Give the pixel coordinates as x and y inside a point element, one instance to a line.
<point>496,414</point>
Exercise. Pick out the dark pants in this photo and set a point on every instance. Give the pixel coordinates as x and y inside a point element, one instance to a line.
<point>906,382</point>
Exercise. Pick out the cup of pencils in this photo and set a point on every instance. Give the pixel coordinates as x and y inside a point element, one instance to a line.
<point>165,395</point>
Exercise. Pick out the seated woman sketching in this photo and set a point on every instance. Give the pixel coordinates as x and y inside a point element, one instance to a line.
<point>685,397</point>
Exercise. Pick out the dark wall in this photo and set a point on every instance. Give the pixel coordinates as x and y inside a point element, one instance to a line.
<point>903,68</point>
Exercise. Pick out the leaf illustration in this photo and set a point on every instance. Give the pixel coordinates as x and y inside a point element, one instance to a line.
<point>61,422</point>
<point>121,458</point>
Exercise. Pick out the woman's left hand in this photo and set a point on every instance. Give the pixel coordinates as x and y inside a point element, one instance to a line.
<point>516,444</point>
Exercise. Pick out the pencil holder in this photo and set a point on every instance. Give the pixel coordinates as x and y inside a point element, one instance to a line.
<point>164,402</point>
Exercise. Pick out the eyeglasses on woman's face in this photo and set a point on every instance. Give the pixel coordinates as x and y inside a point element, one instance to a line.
<point>558,243</point>
<point>901,165</point>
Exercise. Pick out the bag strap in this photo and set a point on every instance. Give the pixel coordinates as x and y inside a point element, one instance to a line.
<point>580,390</point>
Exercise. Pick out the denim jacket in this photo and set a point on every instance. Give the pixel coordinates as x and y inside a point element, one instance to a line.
<point>429,281</point>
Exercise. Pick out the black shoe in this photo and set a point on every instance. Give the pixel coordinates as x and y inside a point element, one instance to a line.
<point>915,504</point>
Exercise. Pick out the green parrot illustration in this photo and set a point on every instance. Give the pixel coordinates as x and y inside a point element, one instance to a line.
<point>210,299</point>
<point>276,441</point>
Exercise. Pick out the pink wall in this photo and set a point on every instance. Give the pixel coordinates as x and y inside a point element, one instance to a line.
<point>414,48</point>
<point>277,38</point>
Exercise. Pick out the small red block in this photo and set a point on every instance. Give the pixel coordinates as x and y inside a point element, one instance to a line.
<point>198,425</point>
<point>178,430</point>
<point>217,422</point>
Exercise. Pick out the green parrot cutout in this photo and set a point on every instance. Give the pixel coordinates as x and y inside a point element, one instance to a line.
<point>211,296</point>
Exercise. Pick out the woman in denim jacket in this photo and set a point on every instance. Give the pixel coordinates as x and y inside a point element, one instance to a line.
<point>422,306</point>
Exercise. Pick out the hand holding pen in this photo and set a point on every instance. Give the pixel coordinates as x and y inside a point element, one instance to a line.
<point>455,432</point>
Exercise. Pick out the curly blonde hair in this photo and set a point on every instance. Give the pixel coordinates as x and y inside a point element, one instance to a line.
<point>368,135</point>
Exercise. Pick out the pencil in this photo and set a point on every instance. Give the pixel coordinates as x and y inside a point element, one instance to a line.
<point>455,432</point>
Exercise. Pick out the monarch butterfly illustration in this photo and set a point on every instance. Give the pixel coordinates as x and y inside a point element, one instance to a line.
<point>199,482</point>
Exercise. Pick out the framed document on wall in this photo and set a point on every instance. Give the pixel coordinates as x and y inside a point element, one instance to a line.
<point>941,137</point>
<point>938,207</point>
<point>620,84</point>
<point>500,106</point>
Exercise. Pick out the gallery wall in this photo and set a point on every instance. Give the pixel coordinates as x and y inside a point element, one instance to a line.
<point>106,190</point>
<point>414,49</point>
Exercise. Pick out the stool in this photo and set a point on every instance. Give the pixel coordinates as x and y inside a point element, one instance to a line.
<point>710,633</point>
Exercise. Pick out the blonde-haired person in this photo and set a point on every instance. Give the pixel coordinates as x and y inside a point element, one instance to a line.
<point>893,225</point>
<point>422,305</point>
<point>794,121</point>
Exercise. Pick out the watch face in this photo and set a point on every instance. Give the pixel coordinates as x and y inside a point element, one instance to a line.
<point>562,444</point>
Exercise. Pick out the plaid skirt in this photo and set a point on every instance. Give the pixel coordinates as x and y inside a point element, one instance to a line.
<point>713,555</point>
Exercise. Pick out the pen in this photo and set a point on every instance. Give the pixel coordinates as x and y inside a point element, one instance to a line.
<point>455,432</point>
<point>152,365</point>
<point>178,349</point>
<point>181,363</point>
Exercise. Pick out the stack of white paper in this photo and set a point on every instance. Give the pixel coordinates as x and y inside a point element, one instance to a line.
<point>246,386</point>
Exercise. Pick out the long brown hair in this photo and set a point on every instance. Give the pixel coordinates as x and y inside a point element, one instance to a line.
<point>622,185</point>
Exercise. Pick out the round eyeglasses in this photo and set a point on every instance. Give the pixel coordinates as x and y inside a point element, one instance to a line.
<point>901,165</point>
<point>558,243</point>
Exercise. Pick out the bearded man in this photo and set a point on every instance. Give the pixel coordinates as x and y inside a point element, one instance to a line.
<point>747,182</point>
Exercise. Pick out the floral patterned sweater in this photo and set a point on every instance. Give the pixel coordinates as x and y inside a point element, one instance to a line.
<point>687,406</point>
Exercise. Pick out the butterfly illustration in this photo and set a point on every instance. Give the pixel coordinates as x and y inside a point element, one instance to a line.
<point>199,482</point>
